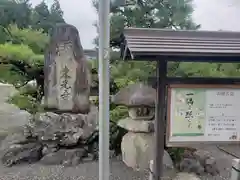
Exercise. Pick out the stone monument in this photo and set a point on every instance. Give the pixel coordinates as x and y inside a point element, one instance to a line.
<point>67,76</point>
<point>61,134</point>
<point>137,145</point>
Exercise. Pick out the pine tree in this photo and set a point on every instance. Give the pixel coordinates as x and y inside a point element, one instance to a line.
<point>45,18</point>
<point>56,12</point>
<point>172,14</point>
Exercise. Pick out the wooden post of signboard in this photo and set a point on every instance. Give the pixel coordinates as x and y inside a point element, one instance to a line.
<point>159,137</point>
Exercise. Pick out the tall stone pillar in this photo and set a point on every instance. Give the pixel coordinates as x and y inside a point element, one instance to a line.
<point>67,76</point>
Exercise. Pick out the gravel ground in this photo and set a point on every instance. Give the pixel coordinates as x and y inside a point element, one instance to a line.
<point>89,171</point>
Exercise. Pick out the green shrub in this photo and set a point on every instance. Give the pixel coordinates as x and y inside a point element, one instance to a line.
<point>35,39</point>
<point>176,154</point>
<point>118,113</point>
<point>26,99</point>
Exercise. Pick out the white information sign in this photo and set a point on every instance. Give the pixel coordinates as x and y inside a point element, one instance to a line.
<point>203,114</point>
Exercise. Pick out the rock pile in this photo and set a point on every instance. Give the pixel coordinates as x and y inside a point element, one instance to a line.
<point>53,138</point>
<point>199,162</point>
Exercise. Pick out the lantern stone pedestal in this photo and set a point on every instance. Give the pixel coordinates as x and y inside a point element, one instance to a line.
<point>137,144</point>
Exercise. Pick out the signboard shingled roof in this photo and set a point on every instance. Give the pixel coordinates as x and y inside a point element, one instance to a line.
<point>154,44</point>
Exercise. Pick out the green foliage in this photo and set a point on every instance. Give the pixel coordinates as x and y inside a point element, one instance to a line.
<point>23,15</point>
<point>45,18</point>
<point>18,63</point>
<point>56,12</point>
<point>35,39</point>
<point>186,69</point>
<point>176,154</point>
<point>23,102</point>
<point>125,73</point>
<point>150,13</point>
<point>15,12</point>
<point>8,75</point>
<point>4,35</point>
<point>9,51</point>
<point>118,113</point>
<point>26,100</point>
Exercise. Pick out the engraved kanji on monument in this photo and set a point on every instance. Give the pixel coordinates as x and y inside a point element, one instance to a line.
<point>67,75</point>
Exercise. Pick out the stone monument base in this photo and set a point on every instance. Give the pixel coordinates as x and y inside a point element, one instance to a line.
<point>53,139</point>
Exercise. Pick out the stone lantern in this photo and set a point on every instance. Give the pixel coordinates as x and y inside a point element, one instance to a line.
<point>137,144</point>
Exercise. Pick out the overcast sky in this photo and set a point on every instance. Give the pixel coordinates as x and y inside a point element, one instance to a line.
<point>211,14</point>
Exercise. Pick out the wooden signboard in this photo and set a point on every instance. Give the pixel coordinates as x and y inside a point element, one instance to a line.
<point>203,114</point>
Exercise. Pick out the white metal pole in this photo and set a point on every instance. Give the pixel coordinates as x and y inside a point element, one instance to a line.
<point>104,39</point>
